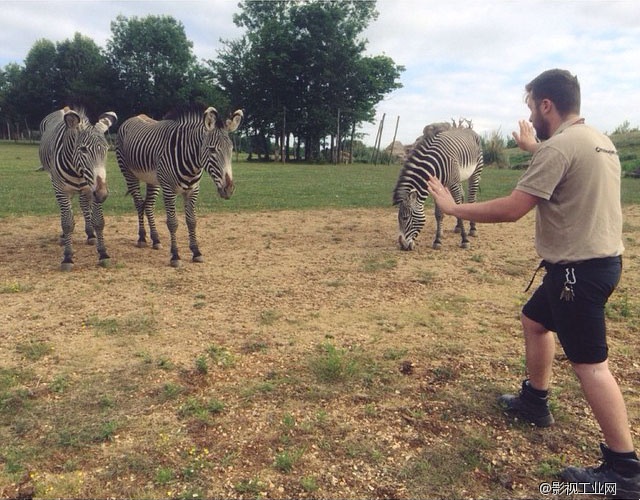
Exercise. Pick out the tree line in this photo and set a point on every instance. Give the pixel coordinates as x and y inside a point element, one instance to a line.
<point>299,72</point>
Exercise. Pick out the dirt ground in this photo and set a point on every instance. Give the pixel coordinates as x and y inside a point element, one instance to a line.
<point>273,288</point>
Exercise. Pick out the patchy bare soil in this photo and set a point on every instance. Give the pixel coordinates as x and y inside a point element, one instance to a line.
<point>422,344</point>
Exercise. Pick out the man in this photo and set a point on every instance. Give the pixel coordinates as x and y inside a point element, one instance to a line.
<point>573,181</point>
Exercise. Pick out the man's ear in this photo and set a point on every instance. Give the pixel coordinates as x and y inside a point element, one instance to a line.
<point>546,106</point>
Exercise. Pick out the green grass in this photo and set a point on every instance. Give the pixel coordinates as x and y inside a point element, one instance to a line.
<point>333,365</point>
<point>259,186</point>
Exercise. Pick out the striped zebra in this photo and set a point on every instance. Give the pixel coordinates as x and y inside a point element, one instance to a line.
<point>73,152</point>
<point>170,155</point>
<point>452,156</point>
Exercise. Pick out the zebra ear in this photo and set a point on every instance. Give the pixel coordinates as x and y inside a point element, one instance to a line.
<point>210,118</point>
<point>234,122</point>
<point>107,120</point>
<point>71,119</point>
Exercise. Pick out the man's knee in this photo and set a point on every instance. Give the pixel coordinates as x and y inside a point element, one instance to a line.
<point>532,327</point>
<point>586,371</point>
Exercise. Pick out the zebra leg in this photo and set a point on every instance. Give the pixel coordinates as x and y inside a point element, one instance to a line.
<point>149,210</point>
<point>85,206</point>
<point>172,225</point>
<point>459,229</point>
<point>67,223</point>
<point>139,203</point>
<point>472,189</point>
<point>190,199</point>
<point>437,242</point>
<point>97,219</point>
<point>472,229</point>
<point>133,188</point>
<point>458,196</point>
<point>463,234</point>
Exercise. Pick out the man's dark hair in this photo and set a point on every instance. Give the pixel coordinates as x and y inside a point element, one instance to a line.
<point>560,87</point>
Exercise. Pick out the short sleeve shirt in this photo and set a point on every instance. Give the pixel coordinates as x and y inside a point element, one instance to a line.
<point>576,173</point>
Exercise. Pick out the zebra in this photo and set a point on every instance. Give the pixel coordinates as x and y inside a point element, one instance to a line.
<point>73,152</point>
<point>452,156</point>
<point>170,155</point>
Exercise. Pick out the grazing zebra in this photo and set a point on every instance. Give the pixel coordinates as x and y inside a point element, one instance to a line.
<point>171,155</point>
<point>452,156</point>
<point>74,153</point>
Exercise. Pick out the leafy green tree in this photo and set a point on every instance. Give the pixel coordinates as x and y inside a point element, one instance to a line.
<point>83,75</point>
<point>154,61</point>
<point>10,113</point>
<point>69,73</point>
<point>300,65</point>
<point>35,93</point>
<point>149,68</point>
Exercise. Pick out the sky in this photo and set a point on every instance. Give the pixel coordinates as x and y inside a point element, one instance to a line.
<point>463,58</point>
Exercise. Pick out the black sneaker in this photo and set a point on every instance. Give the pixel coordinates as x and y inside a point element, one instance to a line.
<point>624,473</point>
<point>528,406</point>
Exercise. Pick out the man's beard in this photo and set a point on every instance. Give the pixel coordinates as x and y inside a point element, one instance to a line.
<point>542,130</point>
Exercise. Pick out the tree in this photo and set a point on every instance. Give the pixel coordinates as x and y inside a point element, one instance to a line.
<point>10,79</point>
<point>153,60</point>
<point>83,75</point>
<point>72,72</point>
<point>300,65</point>
<point>35,93</point>
<point>149,68</point>
<point>260,80</point>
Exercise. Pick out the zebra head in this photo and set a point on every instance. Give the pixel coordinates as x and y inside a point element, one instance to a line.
<point>216,149</point>
<point>90,151</point>
<point>411,218</point>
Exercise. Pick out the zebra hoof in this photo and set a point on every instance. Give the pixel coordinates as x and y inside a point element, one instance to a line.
<point>464,244</point>
<point>177,264</point>
<point>157,246</point>
<point>66,266</point>
<point>141,244</point>
<point>199,258</point>
<point>91,241</point>
<point>437,246</point>
<point>473,233</point>
<point>105,263</point>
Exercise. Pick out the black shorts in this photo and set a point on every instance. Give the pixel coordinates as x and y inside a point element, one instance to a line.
<point>579,323</point>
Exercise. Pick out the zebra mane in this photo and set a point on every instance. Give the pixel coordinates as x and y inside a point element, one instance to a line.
<point>188,113</point>
<point>399,194</point>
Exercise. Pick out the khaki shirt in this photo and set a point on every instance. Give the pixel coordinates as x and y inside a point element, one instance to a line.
<point>576,173</point>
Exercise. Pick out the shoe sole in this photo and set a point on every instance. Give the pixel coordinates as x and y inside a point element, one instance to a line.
<point>543,423</point>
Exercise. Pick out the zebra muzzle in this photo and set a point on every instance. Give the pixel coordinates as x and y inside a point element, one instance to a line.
<point>101,191</point>
<point>405,244</point>
<point>226,189</point>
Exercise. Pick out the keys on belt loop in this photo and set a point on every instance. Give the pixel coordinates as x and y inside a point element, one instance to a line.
<point>569,280</point>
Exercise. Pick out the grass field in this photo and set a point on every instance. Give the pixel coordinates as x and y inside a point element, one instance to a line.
<point>259,186</point>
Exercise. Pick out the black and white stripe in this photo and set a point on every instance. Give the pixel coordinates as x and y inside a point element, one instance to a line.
<point>452,156</point>
<point>170,155</point>
<point>73,152</point>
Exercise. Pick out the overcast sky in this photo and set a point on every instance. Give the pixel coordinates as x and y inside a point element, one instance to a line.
<point>463,58</point>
